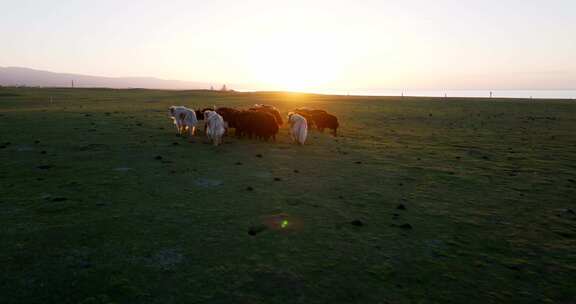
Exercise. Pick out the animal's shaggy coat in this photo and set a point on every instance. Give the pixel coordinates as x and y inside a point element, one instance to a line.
<point>298,128</point>
<point>214,126</point>
<point>184,119</point>
<point>322,119</point>
<point>257,124</point>
<point>269,109</point>
<point>306,113</point>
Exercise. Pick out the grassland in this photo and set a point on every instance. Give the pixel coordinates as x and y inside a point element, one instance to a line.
<point>420,200</point>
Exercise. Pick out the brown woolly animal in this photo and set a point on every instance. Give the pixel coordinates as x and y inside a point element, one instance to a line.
<point>257,124</point>
<point>322,119</point>
<point>269,109</point>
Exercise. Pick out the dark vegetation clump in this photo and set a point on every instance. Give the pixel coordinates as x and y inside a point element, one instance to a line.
<point>403,226</point>
<point>357,223</point>
<point>256,229</point>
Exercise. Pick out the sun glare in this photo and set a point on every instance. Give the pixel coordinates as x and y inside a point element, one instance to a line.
<point>294,64</point>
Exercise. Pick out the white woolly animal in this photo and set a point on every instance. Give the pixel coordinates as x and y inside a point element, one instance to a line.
<point>215,126</point>
<point>185,119</point>
<point>298,128</point>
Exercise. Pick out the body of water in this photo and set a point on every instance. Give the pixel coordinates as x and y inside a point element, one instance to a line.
<point>539,94</point>
<point>527,94</point>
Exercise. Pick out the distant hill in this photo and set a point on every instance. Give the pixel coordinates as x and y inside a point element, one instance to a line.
<point>17,76</point>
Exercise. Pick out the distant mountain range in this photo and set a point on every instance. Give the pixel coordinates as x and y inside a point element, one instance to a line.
<point>18,76</point>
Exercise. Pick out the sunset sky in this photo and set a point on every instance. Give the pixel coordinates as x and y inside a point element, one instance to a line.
<point>301,45</point>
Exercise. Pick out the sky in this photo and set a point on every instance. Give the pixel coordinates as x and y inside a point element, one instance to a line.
<point>301,45</point>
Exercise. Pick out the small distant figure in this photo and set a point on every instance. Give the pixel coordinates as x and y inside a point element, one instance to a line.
<point>224,88</point>
<point>491,94</point>
<point>445,95</point>
<point>298,128</point>
<point>211,88</point>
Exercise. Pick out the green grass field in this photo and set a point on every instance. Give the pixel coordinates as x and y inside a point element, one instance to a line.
<point>102,203</point>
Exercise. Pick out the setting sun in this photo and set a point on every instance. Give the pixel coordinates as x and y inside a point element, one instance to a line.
<point>294,63</point>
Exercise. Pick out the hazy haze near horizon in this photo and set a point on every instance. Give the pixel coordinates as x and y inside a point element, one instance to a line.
<point>312,45</point>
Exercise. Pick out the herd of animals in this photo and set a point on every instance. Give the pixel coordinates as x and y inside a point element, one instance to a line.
<point>259,121</point>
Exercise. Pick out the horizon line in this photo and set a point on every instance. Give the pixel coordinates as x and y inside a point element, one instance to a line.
<point>245,87</point>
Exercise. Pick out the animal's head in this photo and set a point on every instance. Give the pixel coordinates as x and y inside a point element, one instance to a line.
<point>290,114</point>
<point>208,114</point>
